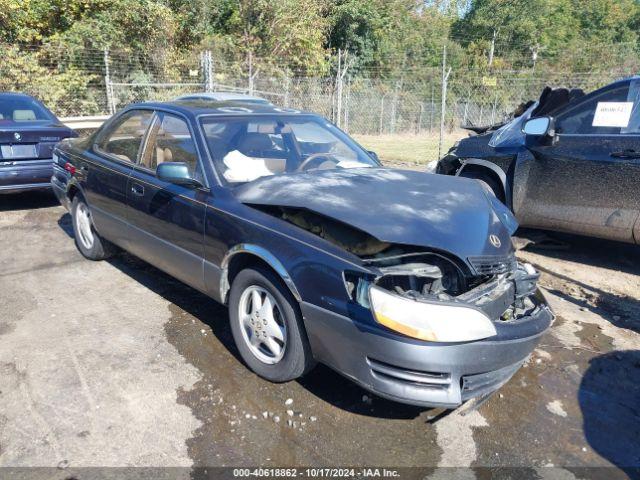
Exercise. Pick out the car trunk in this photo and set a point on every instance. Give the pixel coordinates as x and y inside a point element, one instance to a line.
<point>29,142</point>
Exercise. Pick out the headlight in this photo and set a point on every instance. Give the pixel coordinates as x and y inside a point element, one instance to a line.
<point>429,321</point>
<point>431,166</point>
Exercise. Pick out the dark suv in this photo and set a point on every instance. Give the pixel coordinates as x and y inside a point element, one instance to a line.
<point>570,162</point>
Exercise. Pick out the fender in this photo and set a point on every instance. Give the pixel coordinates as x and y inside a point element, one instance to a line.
<point>502,176</point>
<point>264,255</point>
<point>71,184</point>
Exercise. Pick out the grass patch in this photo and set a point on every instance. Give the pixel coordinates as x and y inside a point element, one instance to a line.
<point>408,149</point>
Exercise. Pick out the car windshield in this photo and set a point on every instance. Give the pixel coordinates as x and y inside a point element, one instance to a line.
<point>15,109</point>
<point>246,148</point>
<point>510,135</point>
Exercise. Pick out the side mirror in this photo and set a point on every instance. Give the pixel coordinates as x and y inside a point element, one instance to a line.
<point>177,173</point>
<point>374,155</point>
<point>538,127</point>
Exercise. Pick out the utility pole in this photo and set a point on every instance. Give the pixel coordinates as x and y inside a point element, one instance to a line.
<point>443,103</point>
<point>107,83</point>
<point>206,62</point>
<point>381,114</point>
<point>250,73</point>
<point>343,67</point>
<point>209,71</point>
<point>339,88</point>
<point>492,49</point>
<point>534,54</point>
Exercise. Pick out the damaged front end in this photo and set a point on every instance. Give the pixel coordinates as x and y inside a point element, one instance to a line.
<point>436,310</point>
<point>427,296</point>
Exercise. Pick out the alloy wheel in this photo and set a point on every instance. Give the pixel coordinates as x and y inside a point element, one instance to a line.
<point>262,324</point>
<point>83,224</point>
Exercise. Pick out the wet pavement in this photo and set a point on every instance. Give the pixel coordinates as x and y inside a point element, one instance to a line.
<point>147,366</point>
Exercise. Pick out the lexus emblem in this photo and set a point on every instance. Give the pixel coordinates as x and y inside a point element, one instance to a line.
<point>495,241</point>
<point>17,136</point>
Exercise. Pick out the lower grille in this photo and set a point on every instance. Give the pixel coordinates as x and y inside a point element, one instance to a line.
<point>473,385</point>
<point>493,264</point>
<point>435,380</point>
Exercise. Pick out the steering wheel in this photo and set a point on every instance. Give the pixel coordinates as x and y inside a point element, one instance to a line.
<point>315,156</point>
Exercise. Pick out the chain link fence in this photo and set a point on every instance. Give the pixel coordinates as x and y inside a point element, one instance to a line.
<point>86,82</point>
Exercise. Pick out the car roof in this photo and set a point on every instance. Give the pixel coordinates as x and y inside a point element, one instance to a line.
<point>223,96</point>
<point>194,108</point>
<point>623,80</point>
<point>16,94</point>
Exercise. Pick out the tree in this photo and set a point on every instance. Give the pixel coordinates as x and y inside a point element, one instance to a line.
<point>523,31</point>
<point>389,34</point>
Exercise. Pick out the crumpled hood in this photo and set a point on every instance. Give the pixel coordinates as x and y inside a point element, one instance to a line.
<point>395,206</point>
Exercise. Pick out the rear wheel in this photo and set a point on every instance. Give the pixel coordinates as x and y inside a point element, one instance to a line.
<point>90,244</point>
<point>488,181</point>
<point>267,326</point>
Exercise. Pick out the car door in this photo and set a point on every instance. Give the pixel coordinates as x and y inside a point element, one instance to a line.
<point>105,170</point>
<point>167,220</point>
<point>585,180</point>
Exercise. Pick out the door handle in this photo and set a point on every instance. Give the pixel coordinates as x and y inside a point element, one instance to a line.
<point>137,189</point>
<point>626,154</point>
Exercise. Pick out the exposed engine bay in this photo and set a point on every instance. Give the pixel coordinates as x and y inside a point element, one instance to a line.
<point>420,275</point>
<point>430,277</point>
<point>350,239</point>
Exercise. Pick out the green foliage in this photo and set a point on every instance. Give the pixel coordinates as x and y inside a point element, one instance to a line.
<point>69,88</point>
<point>382,35</point>
<point>388,34</point>
<point>55,46</point>
<point>568,34</point>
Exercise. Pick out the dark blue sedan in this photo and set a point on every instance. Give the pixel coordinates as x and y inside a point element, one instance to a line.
<point>28,133</point>
<point>404,282</point>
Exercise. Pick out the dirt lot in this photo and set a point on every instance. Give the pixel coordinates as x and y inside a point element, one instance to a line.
<point>116,364</point>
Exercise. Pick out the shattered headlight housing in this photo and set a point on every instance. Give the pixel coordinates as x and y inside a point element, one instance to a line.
<point>432,322</point>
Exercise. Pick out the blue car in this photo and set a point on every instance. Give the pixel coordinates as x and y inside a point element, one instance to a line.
<point>28,133</point>
<point>402,281</point>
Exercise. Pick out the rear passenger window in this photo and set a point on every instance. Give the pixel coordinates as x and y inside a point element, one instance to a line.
<point>170,141</point>
<point>124,137</point>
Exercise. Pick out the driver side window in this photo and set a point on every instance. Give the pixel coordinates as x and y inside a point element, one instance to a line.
<point>170,140</point>
<point>581,118</point>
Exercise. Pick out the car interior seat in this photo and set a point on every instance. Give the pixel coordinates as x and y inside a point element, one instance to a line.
<point>161,153</point>
<point>254,156</point>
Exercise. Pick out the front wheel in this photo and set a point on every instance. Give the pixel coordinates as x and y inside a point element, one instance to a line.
<point>90,244</point>
<point>267,326</point>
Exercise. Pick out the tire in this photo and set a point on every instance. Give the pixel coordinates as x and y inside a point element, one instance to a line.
<point>488,181</point>
<point>295,358</point>
<point>90,244</point>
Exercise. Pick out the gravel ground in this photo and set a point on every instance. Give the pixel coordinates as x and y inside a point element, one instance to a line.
<point>116,364</point>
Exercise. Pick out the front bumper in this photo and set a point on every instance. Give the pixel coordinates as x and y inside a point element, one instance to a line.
<point>418,372</point>
<point>19,176</point>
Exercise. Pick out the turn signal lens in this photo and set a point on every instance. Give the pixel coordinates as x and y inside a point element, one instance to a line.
<point>433,322</point>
